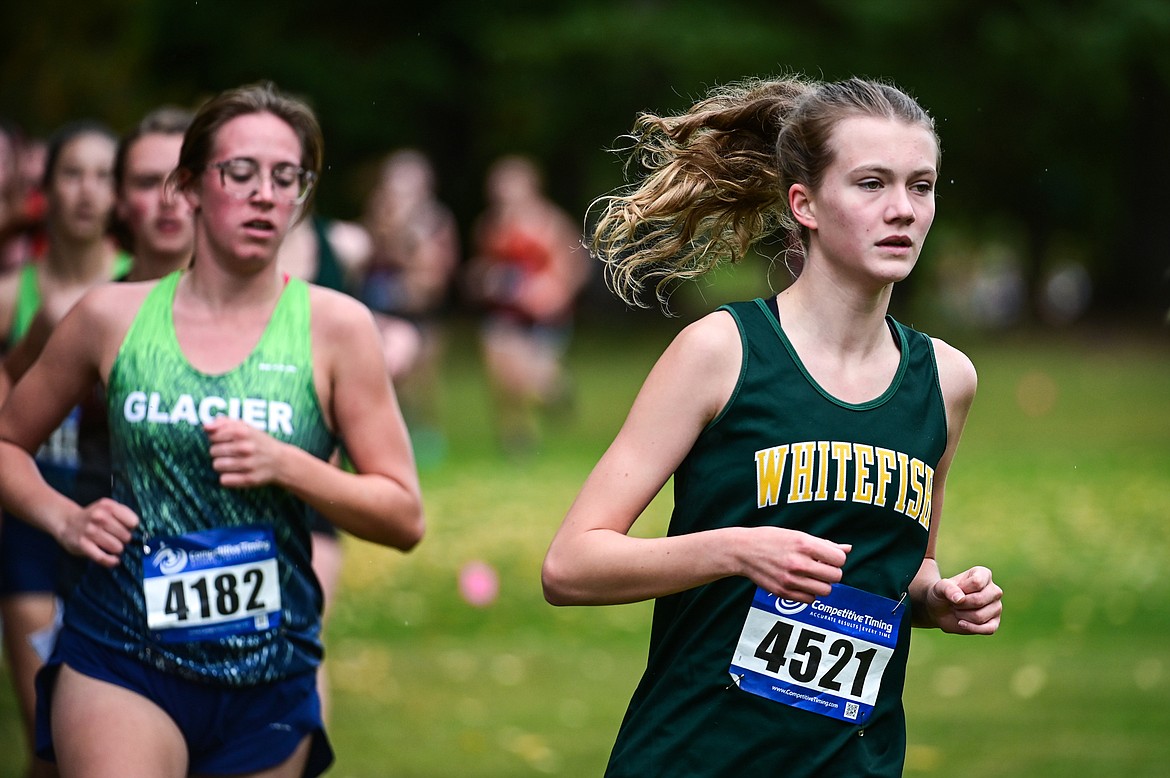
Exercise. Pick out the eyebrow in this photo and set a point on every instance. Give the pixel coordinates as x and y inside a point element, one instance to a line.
<point>883,170</point>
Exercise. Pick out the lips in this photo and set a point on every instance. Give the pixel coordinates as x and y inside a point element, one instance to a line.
<point>259,225</point>
<point>896,241</point>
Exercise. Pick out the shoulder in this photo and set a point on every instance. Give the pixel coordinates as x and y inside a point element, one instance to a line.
<point>707,353</point>
<point>107,310</point>
<point>337,313</point>
<point>113,301</point>
<point>711,335</point>
<point>957,377</point>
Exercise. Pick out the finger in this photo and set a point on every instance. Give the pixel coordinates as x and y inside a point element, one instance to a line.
<point>982,615</point>
<point>829,574</point>
<point>126,517</point>
<point>116,513</point>
<point>92,551</point>
<point>982,597</point>
<point>112,527</point>
<point>215,426</point>
<point>829,554</point>
<point>981,628</point>
<point>225,464</point>
<point>947,590</point>
<point>974,579</point>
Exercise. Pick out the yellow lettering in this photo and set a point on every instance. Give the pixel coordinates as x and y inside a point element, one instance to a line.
<point>862,488</point>
<point>886,461</point>
<point>802,472</point>
<point>769,473</point>
<point>842,453</point>
<point>903,472</point>
<point>822,470</point>
<point>914,507</point>
<point>924,515</point>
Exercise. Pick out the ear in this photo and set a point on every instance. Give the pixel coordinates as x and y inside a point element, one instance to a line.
<point>800,202</point>
<point>189,190</point>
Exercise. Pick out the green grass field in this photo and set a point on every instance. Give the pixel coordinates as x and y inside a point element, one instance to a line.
<point>1062,486</point>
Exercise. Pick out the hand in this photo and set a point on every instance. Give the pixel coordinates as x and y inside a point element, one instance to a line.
<point>793,565</point>
<point>968,604</point>
<point>100,531</point>
<point>242,455</point>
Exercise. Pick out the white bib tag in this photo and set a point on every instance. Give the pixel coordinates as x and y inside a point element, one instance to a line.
<point>205,585</point>
<point>827,657</point>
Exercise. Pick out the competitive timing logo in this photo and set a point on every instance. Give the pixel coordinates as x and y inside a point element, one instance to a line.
<point>788,607</point>
<point>170,560</point>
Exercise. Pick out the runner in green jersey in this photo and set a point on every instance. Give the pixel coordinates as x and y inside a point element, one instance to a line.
<point>79,197</point>
<point>194,633</point>
<point>809,437</point>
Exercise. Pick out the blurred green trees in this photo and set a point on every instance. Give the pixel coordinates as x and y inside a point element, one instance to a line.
<point>1052,112</point>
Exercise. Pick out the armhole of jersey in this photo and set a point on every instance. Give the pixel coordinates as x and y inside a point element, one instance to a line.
<point>131,332</point>
<point>743,364</point>
<point>942,398</point>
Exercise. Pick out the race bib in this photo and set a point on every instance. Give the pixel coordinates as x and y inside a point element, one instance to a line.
<point>827,657</point>
<point>210,584</point>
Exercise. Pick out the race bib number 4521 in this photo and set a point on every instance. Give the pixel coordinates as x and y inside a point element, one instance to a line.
<point>210,584</point>
<point>827,657</point>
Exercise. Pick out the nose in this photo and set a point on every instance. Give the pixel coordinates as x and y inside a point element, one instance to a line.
<point>265,188</point>
<point>95,184</point>
<point>900,208</point>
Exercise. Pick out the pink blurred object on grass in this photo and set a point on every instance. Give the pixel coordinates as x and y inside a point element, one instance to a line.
<point>479,584</point>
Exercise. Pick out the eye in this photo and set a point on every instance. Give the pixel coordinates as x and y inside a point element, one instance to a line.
<point>240,170</point>
<point>922,187</point>
<point>286,176</point>
<point>146,183</point>
<point>870,184</point>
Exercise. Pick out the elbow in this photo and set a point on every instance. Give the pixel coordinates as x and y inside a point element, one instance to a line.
<point>413,531</point>
<point>557,583</point>
<point>403,526</point>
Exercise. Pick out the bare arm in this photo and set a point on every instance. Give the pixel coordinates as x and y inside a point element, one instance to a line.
<point>381,502</point>
<point>969,603</point>
<point>592,559</point>
<point>52,386</point>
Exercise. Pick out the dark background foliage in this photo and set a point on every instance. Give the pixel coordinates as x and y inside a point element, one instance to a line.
<point>1053,113</point>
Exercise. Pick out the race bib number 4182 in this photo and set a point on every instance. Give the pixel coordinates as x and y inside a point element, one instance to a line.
<point>210,584</point>
<point>827,657</point>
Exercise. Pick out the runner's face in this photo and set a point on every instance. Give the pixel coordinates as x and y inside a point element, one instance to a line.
<point>81,190</point>
<point>249,229</point>
<point>872,210</point>
<point>160,221</point>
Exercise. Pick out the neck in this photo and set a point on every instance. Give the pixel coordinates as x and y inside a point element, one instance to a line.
<point>221,290</point>
<point>838,318</point>
<point>76,260</point>
<point>148,267</point>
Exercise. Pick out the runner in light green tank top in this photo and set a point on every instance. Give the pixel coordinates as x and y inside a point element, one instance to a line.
<point>158,406</point>
<point>28,295</point>
<point>228,386</point>
<point>78,255</point>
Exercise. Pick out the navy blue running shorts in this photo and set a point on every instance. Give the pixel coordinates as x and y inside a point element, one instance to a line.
<point>228,730</point>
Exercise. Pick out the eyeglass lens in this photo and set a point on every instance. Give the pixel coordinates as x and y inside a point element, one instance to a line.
<point>242,177</point>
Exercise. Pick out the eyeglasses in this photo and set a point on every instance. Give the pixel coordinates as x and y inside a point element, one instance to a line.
<point>241,178</point>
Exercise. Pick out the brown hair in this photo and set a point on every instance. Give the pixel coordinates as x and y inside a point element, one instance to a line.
<point>716,177</point>
<point>167,120</point>
<point>262,97</point>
